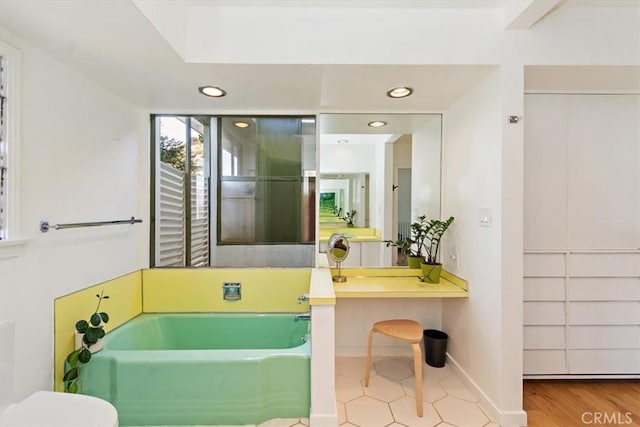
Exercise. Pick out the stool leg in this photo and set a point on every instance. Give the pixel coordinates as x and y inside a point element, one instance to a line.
<point>417,368</point>
<point>367,367</point>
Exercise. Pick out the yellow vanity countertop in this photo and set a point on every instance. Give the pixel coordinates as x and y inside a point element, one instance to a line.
<point>355,234</point>
<point>396,282</point>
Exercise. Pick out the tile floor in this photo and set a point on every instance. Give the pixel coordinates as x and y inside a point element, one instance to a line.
<point>389,401</point>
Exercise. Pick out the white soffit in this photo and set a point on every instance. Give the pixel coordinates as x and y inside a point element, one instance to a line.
<point>364,87</point>
<point>523,14</point>
<point>335,138</point>
<point>271,31</point>
<point>341,124</point>
<point>576,79</point>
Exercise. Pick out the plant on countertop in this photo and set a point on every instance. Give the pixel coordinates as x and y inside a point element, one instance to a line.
<point>412,245</point>
<point>349,218</point>
<point>434,229</point>
<point>92,331</point>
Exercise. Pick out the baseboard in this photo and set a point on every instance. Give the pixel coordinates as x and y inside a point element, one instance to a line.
<point>504,418</point>
<point>582,377</point>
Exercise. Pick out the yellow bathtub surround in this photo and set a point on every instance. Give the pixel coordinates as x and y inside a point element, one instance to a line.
<point>200,290</point>
<point>397,282</point>
<point>355,234</point>
<point>124,303</point>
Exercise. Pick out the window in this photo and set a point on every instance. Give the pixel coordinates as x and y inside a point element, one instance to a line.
<point>265,183</point>
<point>181,192</point>
<point>230,181</point>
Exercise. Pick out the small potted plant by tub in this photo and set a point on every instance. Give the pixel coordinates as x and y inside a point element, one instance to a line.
<point>434,229</point>
<point>349,218</point>
<point>89,335</point>
<point>412,246</point>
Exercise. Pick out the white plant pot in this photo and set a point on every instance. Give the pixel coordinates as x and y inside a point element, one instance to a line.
<point>94,348</point>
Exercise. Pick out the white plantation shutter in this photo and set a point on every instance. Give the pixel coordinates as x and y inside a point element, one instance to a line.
<point>170,239</point>
<point>199,221</point>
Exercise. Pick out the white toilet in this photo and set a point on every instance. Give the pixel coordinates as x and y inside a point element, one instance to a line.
<point>46,408</point>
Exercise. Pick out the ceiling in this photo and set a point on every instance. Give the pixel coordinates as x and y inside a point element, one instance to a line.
<point>114,44</point>
<point>355,129</point>
<point>117,46</point>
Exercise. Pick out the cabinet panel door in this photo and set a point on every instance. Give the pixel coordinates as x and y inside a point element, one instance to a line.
<point>544,289</point>
<point>604,172</point>
<point>604,289</point>
<point>604,361</point>
<point>604,313</point>
<point>604,265</point>
<point>544,313</point>
<point>545,172</point>
<point>544,337</point>
<point>370,253</point>
<point>544,265</point>
<point>548,362</point>
<point>602,337</point>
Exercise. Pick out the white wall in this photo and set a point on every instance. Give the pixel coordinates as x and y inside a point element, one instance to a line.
<point>84,155</point>
<point>354,317</point>
<point>472,181</point>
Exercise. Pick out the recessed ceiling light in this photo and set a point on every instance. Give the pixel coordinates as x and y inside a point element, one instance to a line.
<point>399,92</point>
<point>241,125</point>
<point>342,141</point>
<point>377,124</point>
<point>212,91</point>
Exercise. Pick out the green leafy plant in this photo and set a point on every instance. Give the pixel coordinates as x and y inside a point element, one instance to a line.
<point>93,331</point>
<point>412,245</point>
<point>350,217</point>
<point>434,229</point>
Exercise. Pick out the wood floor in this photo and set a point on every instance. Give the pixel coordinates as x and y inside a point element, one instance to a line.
<point>567,403</point>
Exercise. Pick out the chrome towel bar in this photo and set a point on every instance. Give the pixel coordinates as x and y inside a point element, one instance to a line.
<point>44,225</point>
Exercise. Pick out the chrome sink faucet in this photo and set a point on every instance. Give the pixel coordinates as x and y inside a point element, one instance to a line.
<point>303,298</point>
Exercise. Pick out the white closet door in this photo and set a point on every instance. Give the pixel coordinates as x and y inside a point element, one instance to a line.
<point>582,235</point>
<point>603,174</point>
<point>545,179</point>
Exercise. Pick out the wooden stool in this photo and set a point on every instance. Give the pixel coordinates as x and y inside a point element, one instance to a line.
<point>406,330</point>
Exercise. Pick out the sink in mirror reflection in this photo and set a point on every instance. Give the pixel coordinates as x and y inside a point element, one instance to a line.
<point>389,175</point>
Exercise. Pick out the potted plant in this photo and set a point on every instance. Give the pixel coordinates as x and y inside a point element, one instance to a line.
<point>349,218</point>
<point>434,229</point>
<point>412,246</point>
<point>92,332</point>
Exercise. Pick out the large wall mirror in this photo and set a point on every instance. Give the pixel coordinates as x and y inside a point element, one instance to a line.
<point>387,174</point>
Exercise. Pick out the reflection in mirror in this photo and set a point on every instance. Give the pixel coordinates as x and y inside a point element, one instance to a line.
<point>400,166</point>
<point>341,194</point>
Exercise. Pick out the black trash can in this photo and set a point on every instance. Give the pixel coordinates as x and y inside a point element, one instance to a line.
<point>435,347</point>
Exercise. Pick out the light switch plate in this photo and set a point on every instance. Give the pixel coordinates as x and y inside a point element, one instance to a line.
<point>485,217</point>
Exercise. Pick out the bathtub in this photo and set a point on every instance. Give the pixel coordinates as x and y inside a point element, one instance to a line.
<point>205,369</point>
